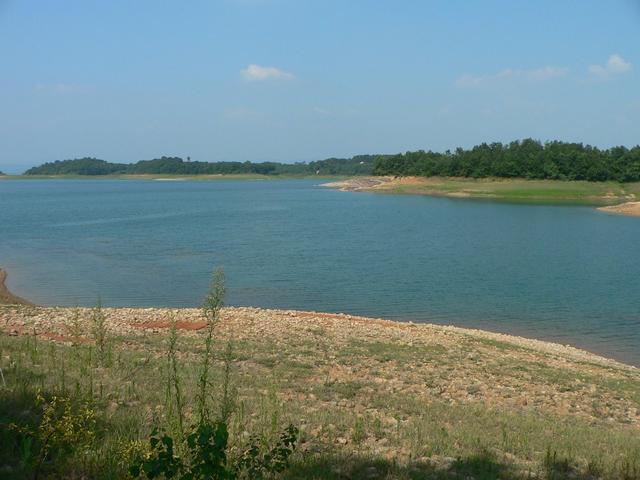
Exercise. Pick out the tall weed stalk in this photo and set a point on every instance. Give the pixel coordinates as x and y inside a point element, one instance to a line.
<point>211,307</point>
<point>174,393</point>
<point>99,331</point>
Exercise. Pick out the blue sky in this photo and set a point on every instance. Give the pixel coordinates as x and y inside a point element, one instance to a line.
<point>296,80</point>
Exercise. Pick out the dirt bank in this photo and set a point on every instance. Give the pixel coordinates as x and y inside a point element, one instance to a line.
<point>6,297</point>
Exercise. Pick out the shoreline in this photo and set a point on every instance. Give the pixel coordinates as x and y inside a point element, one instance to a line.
<point>6,297</point>
<point>176,177</point>
<point>154,318</point>
<point>630,209</point>
<point>8,300</point>
<point>608,197</point>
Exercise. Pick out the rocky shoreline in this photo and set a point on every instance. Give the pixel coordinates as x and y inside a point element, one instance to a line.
<point>458,365</point>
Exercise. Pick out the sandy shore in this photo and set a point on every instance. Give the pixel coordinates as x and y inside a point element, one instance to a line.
<point>628,208</point>
<point>366,184</point>
<point>6,296</point>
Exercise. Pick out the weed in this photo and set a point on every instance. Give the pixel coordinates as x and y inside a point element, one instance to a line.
<point>99,331</point>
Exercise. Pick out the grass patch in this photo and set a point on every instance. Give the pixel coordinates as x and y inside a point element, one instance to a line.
<point>521,190</point>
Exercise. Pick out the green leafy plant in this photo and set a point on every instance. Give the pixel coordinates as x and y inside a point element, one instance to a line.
<point>207,458</point>
<point>65,427</point>
<point>257,462</point>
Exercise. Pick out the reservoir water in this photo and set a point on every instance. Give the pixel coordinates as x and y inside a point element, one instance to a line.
<point>569,274</point>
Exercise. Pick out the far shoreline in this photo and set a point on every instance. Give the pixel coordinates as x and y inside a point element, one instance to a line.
<point>608,197</point>
<point>178,177</point>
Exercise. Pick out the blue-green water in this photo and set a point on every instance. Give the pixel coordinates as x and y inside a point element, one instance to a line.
<point>563,273</point>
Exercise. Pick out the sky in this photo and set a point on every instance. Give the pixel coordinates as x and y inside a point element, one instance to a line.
<point>302,80</point>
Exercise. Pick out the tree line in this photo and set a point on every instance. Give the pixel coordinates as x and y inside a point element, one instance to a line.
<point>527,158</point>
<point>357,165</point>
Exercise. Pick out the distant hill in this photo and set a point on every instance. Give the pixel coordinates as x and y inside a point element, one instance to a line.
<point>357,165</point>
<point>78,166</point>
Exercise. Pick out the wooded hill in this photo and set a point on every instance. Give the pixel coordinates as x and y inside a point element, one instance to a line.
<point>358,165</point>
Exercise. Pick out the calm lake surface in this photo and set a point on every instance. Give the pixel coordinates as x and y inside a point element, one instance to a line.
<point>562,273</point>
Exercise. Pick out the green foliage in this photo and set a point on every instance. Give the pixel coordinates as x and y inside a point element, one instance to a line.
<point>65,427</point>
<point>523,159</point>
<point>358,165</point>
<point>206,456</point>
<point>77,166</point>
<point>260,463</point>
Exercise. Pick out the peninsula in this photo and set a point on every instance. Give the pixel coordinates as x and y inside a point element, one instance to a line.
<point>612,197</point>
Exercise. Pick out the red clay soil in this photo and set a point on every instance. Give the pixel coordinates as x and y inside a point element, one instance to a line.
<point>56,337</point>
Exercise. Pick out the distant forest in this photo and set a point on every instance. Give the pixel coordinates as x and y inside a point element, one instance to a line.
<point>524,159</point>
<point>358,165</point>
<point>519,159</point>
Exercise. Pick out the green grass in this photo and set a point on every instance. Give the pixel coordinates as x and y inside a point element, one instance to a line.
<point>521,190</point>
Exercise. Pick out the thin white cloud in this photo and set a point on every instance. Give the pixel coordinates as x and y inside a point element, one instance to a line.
<point>537,74</point>
<point>257,73</point>
<point>546,73</point>
<point>615,65</point>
